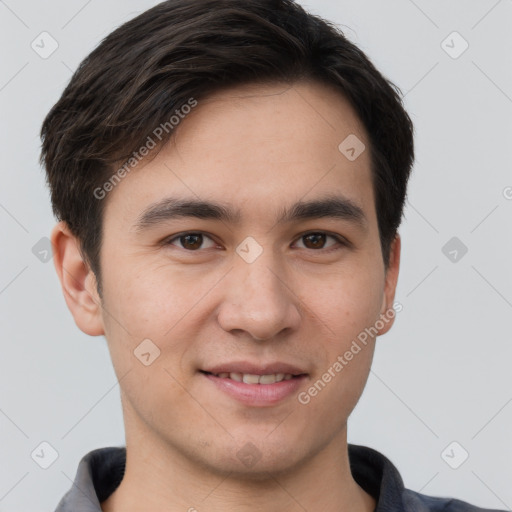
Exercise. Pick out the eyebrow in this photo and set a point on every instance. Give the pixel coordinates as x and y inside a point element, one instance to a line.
<point>170,208</point>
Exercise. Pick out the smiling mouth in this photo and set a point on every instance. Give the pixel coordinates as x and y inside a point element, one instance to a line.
<point>249,378</point>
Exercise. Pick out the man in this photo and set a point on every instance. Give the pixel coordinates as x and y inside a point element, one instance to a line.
<point>229,178</point>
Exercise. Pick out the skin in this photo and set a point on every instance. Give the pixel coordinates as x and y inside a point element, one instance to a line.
<point>257,148</point>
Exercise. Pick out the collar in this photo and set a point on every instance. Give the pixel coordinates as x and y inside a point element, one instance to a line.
<point>100,472</point>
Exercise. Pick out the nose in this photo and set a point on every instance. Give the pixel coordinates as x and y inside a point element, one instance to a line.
<point>259,299</point>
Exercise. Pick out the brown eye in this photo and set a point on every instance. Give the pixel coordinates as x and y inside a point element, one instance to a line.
<point>189,241</point>
<point>316,240</point>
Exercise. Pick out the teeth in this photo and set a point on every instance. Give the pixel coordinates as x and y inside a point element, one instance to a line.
<point>249,378</point>
<point>267,379</point>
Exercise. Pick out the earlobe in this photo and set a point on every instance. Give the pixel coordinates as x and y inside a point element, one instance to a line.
<point>77,280</point>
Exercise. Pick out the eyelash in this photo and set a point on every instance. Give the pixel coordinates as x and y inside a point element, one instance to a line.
<point>341,241</point>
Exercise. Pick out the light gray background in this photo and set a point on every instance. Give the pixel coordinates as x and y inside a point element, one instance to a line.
<point>442,374</point>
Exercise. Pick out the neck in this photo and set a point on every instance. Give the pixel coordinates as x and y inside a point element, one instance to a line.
<point>160,477</point>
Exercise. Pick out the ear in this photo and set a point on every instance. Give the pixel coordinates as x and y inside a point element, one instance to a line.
<point>387,315</point>
<point>77,280</point>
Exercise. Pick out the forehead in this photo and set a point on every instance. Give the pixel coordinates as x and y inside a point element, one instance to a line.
<point>259,148</point>
<point>273,124</point>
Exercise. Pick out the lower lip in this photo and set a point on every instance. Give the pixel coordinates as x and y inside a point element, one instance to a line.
<point>257,394</point>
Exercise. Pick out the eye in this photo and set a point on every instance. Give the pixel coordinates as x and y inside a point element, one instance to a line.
<point>190,241</point>
<point>316,240</point>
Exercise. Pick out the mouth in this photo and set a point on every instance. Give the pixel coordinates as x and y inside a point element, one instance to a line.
<point>252,378</point>
<point>256,389</point>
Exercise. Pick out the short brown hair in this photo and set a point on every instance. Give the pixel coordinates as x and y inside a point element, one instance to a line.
<point>138,76</point>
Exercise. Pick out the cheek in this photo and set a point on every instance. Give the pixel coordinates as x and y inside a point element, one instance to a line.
<point>344,309</point>
<point>137,309</point>
<point>347,304</point>
<point>166,306</point>
<point>159,395</point>
<point>333,394</point>
<point>347,353</point>
<point>150,301</point>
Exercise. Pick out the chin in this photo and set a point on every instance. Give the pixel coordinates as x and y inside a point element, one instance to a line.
<point>250,459</point>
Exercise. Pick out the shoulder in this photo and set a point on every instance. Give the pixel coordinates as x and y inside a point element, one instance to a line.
<point>417,502</point>
<point>379,477</point>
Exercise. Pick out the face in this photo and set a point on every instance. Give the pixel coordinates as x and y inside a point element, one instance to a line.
<point>261,292</point>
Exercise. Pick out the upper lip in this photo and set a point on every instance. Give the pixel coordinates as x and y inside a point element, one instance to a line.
<point>254,368</point>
